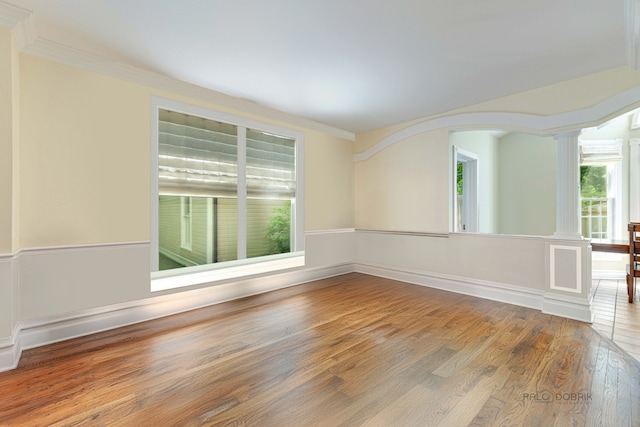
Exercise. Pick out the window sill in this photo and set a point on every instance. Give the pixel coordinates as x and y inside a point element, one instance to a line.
<point>201,274</point>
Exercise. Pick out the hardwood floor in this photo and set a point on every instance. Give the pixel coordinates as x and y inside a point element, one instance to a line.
<point>347,351</point>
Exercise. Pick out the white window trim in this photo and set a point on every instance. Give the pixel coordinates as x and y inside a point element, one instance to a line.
<point>210,273</point>
<point>614,180</point>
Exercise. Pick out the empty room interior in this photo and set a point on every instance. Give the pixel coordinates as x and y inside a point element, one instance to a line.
<point>319,212</point>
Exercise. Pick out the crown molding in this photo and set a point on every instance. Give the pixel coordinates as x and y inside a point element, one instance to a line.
<point>11,15</point>
<point>61,53</point>
<point>24,29</point>
<point>25,32</point>
<point>557,124</point>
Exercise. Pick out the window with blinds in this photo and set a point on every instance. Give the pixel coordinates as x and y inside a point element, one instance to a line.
<point>225,192</point>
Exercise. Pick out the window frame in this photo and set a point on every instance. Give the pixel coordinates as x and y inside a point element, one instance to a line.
<point>614,180</point>
<point>210,273</point>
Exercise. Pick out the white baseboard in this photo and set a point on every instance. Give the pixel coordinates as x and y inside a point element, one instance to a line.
<point>517,295</point>
<point>549,303</point>
<point>35,333</point>
<point>567,306</point>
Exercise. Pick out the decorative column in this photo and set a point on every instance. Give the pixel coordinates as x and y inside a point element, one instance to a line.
<point>567,186</point>
<point>568,289</point>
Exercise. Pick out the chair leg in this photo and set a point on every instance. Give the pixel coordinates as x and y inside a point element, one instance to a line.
<point>630,286</point>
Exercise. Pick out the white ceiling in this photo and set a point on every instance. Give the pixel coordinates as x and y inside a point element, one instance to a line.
<point>356,65</point>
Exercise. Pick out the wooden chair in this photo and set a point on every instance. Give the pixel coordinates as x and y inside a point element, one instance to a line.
<point>633,269</point>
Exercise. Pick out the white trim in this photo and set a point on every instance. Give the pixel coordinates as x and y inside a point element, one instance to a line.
<point>402,233</point>
<point>38,332</point>
<point>552,268</point>
<point>569,307</point>
<point>215,272</point>
<point>331,231</point>
<point>11,15</point>
<point>501,236</point>
<point>58,52</point>
<point>554,304</point>
<point>241,159</point>
<point>501,292</point>
<point>78,247</point>
<point>527,122</point>
<point>173,279</point>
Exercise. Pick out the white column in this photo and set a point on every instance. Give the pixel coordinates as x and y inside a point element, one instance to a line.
<point>567,186</point>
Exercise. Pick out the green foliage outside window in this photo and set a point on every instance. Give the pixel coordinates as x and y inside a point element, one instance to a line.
<point>278,230</point>
<point>593,181</point>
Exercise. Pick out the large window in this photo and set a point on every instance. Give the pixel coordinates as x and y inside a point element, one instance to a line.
<point>600,188</point>
<point>226,197</point>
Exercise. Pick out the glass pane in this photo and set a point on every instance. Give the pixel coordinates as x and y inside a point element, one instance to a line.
<point>268,227</point>
<point>226,230</point>
<point>196,156</point>
<point>197,183</point>
<point>270,166</point>
<point>271,191</point>
<point>593,181</point>
<point>213,228</point>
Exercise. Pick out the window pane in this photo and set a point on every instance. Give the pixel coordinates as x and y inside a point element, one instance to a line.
<point>196,156</point>
<point>226,230</point>
<point>271,189</point>
<point>270,166</point>
<point>202,200</point>
<point>268,227</point>
<point>213,229</point>
<point>197,183</point>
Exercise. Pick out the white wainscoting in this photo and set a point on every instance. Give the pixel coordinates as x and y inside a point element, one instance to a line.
<point>510,269</point>
<point>530,298</point>
<point>408,257</point>
<point>61,289</point>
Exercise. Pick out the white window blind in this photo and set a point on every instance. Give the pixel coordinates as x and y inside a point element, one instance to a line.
<point>196,156</point>
<point>598,152</point>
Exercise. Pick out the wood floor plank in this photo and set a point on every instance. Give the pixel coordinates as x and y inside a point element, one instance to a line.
<point>350,350</point>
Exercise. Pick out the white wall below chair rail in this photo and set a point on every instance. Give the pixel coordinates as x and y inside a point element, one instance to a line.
<point>510,269</point>
<point>328,253</point>
<point>75,291</point>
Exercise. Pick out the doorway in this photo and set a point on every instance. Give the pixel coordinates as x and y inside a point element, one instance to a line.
<point>465,205</point>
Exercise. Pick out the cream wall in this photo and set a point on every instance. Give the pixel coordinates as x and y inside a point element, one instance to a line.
<point>405,187</point>
<point>328,182</point>
<point>85,148</point>
<point>7,117</point>
<point>8,313</point>
<point>85,160</point>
